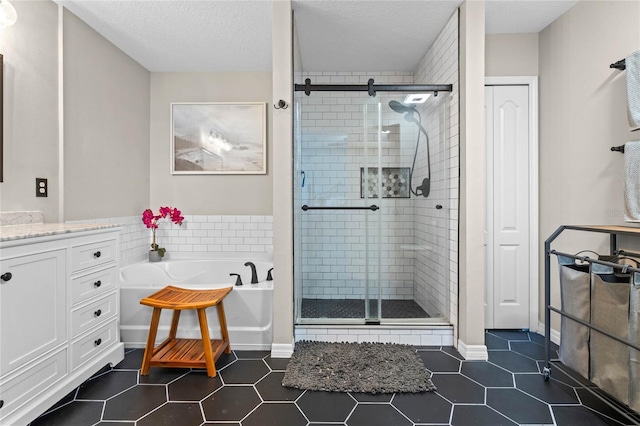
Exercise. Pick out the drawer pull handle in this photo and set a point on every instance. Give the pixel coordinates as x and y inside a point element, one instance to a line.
<point>97,284</point>
<point>97,342</point>
<point>97,254</point>
<point>6,276</point>
<point>97,313</point>
<point>1,403</point>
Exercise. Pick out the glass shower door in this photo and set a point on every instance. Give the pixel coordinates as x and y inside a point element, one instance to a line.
<point>337,216</point>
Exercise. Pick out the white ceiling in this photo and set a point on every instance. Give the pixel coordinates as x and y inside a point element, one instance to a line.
<point>336,35</point>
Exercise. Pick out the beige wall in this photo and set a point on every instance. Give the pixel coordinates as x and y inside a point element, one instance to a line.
<point>207,194</point>
<point>583,114</point>
<point>106,127</point>
<point>282,179</point>
<point>511,55</point>
<point>472,182</point>
<point>31,142</point>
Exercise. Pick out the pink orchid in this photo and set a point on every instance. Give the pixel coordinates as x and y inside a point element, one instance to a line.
<point>151,221</point>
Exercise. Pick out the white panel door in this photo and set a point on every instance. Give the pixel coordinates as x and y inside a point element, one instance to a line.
<point>508,269</point>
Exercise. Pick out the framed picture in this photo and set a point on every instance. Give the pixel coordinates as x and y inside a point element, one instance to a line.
<point>218,138</point>
<point>394,182</point>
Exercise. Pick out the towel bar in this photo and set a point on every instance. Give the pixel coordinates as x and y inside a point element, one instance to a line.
<point>619,65</point>
<point>618,148</point>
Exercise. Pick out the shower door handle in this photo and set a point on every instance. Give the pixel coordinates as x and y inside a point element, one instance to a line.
<point>372,207</point>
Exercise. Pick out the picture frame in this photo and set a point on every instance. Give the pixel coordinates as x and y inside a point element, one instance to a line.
<point>212,138</point>
<point>1,118</point>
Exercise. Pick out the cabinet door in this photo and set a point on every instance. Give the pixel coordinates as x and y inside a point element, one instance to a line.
<point>33,307</point>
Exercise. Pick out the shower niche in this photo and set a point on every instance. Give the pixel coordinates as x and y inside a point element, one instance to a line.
<point>371,197</point>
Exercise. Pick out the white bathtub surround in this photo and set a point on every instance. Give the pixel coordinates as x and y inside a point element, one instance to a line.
<point>408,335</point>
<point>207,236</point>
<point>248,308</point>
<point>21,217</point>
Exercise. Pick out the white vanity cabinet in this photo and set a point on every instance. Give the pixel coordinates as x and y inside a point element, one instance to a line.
<point>59,321</point>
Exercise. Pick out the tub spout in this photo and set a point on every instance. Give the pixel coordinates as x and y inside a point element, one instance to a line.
<point>254,274</point>
<point>238,278</point>
<point>269,276</point>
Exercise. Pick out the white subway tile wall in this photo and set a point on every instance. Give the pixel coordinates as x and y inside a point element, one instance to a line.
<point>418,336</point>
<point>436,271</point>
<point>208,235</point>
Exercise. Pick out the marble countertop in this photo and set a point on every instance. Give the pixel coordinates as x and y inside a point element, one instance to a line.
<point>32,230</point>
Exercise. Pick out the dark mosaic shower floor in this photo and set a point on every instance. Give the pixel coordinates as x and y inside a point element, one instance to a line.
<point>354,308</point>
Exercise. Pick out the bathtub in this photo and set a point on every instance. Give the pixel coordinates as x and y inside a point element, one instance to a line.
<point>248,308</point>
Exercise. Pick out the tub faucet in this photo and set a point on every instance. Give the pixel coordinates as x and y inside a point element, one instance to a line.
<point>238,278</point>
<point>269,276</point>
<point>254,274</point>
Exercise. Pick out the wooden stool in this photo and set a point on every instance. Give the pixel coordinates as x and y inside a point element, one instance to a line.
<point>185,353</point>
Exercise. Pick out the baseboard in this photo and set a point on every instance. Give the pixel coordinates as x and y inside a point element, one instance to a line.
<point>555,334</point>
<point>282,350</point>
<point>473,352</point>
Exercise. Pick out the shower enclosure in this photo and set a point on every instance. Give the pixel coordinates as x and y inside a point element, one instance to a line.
<point>371,203</point>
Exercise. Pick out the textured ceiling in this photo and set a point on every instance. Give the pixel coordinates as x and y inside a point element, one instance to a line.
<point>336,35</point>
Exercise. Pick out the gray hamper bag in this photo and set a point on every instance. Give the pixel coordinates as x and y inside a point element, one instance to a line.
<point>634,336</point>
<point>575,295</point>
<point>610,312</point>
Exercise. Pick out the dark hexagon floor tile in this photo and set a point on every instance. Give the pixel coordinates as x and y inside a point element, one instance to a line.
<point>65,400</point>
<point>244,371</point>
<point>162,376</point>
<point>425,407</point>
<point>76,413</point>
<point>277,364</point>
<point>174,413</point>
<point>102,371</point>
<point>252,354</point>
<point>487,374</point>
<point>107,385</point>
<point>270,388</point>
<point>231,403</point>
<point>550,391</point>
<point>495,342</point>
<point>513,362</point>
<point>193,386</point>
<point>512,335</point>
<point>578,415</point>
<point>376,415</point>
<point>221,423</point>
<point>478,415</point>
<point>135,403</point>
<point>596,404</point>
<point>275,414</point>
<point>529,349</point>
<point>115,424</point>
<point>437,361</point>
<point>539,339</point>
<point>453,352</point>
<point>458,389</point>
<point>519,406</point>
<point>326,406</point>
<point>370,397</point>
<point>132,360</point>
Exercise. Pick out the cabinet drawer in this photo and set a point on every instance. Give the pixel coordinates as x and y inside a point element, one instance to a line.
<point>23,387</point>
<point>93,314</point>
<point>92,344</point>
<point>93,254</point>
<point>94,284</point>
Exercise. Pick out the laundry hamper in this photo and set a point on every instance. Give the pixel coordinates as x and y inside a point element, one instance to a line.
<point>575,295</point>
<point>634,336</point>
<point>610,360</point>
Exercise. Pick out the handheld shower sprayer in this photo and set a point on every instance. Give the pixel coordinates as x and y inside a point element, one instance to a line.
<point>409,112</point>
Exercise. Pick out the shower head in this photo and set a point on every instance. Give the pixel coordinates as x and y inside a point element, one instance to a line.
<point>401,108</point>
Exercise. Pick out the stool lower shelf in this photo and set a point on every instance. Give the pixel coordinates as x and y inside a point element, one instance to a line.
<point>185,353</point>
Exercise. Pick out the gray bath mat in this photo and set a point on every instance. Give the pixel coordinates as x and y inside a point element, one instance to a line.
<point>357,367</point>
